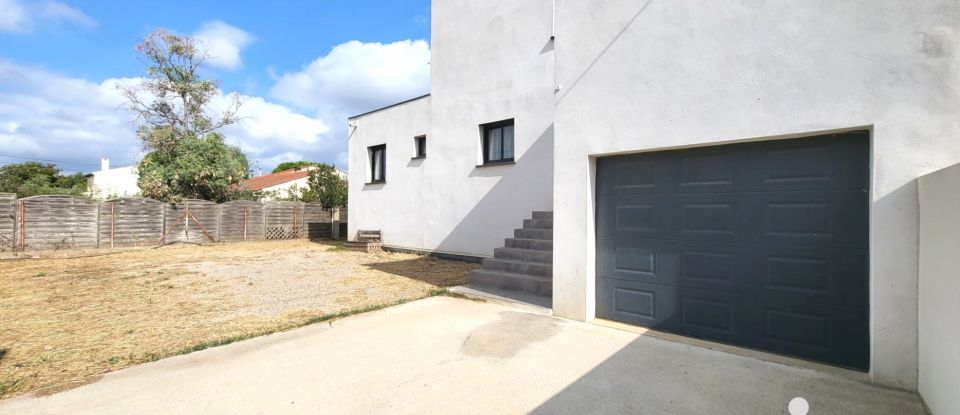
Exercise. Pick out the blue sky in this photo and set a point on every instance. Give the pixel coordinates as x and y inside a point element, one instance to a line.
<point>301,66</point>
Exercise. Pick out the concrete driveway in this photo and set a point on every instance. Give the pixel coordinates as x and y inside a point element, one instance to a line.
<point>448,355</point>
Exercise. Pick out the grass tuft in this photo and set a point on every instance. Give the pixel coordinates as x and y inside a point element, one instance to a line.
<point>10,385</point>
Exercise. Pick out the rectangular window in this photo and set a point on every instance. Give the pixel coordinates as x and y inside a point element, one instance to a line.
<point>378,163</point>
<point>421,146</point>
<point>498,142</point>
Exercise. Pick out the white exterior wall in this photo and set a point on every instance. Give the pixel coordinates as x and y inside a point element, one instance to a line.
<point>637,75</point>
<point>120,182</point>
<point>281,189</point>
<point>939,290</point>
<point>490,61</point>
<point>392,207</point>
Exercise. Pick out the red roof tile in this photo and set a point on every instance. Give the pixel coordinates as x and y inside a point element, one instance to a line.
<point>259,183</point>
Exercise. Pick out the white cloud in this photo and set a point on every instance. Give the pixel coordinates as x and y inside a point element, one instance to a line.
<point>51,116</point>
<point>356,77</point>
<point>15,17</point>
<point>55,10</point>
<point>223,43</point>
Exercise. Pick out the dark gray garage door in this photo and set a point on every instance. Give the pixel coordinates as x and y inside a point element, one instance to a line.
<point>762,245</point>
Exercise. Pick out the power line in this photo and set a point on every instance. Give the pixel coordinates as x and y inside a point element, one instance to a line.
<point>48,160</point>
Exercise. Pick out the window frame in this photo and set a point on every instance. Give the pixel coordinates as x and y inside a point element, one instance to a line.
<point>485,130</point>
<point>372,153</point>
<point>420,147</point>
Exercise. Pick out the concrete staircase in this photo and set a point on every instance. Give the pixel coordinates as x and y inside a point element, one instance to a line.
<point>524,264</point>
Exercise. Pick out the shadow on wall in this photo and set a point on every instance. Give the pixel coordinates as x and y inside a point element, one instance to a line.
<point>511,200</point>
<point>427,269</point>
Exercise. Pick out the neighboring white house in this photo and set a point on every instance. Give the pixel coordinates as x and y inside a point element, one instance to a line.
<point>744,172</point>
<point>283,183</point>
<point>113,182</point>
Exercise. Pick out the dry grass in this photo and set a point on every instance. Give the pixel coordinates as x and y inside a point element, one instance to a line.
<point>67,320</point>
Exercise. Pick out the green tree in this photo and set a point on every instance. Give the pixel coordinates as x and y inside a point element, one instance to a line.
<point>187,157</point>
<point>287,165</point>
<point>32,179</point>
<point>199,168</point>
<point>324,186</point>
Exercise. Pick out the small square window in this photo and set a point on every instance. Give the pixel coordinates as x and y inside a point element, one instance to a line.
<point>420,144</point>
<point>498,142</point>
<point>378,163</point>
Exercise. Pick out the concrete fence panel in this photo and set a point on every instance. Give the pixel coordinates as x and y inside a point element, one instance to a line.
<point>57,222</point>
<point>317,222</point>
<point>60,222</point>
<point>131,222</point>
<point>192,221</point>
<point>8,220</point>
<point>241,220</point>
<point>283,220</point>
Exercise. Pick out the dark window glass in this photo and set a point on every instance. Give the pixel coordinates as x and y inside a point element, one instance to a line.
<point>378,163</point>
<point>421,144</point>
<point>498,142</point>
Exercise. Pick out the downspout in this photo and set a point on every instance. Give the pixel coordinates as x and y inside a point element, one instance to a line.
<point>553,23</point>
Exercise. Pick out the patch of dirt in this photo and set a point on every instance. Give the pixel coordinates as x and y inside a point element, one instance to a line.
<point>69,318</point>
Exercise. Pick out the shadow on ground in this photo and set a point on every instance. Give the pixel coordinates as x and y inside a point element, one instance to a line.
<point>650,375</point>
<point>439,272</point>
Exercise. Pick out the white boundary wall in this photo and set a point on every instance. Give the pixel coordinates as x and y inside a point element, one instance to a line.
<point>940,290</point>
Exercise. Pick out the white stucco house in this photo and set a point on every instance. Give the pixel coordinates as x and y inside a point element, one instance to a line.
<point>113,182</point>
<point>741,172</point>
<point>283,183</point>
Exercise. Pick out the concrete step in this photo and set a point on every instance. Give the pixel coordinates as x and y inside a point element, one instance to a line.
<point>526,255</point>
<point>543,215</point>
<point>542,234</point>
<point>533,244</point>
<point>533,284</point>
<point>538,224</point>
<point>519,267</point>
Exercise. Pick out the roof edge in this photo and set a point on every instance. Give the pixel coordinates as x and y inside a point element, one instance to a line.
<point>388,107</point>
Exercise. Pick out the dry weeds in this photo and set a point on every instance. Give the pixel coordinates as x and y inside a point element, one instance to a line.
<point>67,320</point>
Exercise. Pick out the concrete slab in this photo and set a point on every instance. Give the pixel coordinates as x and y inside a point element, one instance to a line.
<point>448,355</point>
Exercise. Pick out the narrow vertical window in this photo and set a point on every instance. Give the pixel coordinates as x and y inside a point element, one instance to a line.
<point>378,163</point>
<point>420,144</point>
<point>498,142</point>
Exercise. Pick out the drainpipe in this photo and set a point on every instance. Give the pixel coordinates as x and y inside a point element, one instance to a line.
<point>553,23</point>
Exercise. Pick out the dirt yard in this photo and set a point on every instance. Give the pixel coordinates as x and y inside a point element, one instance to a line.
<point>68,319</point>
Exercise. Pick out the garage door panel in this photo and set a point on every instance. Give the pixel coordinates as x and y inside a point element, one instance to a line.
<point>722,315</point>
<point>809,218</point>
<point>839,337</point>
<point>763,244</point>
<point>708,217</point>
<point>649,305</point>
<point>706,265</point>
<point>644,174</point>
<point>831,162</point>
<point>813,277</point>
<point>632,215</point>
